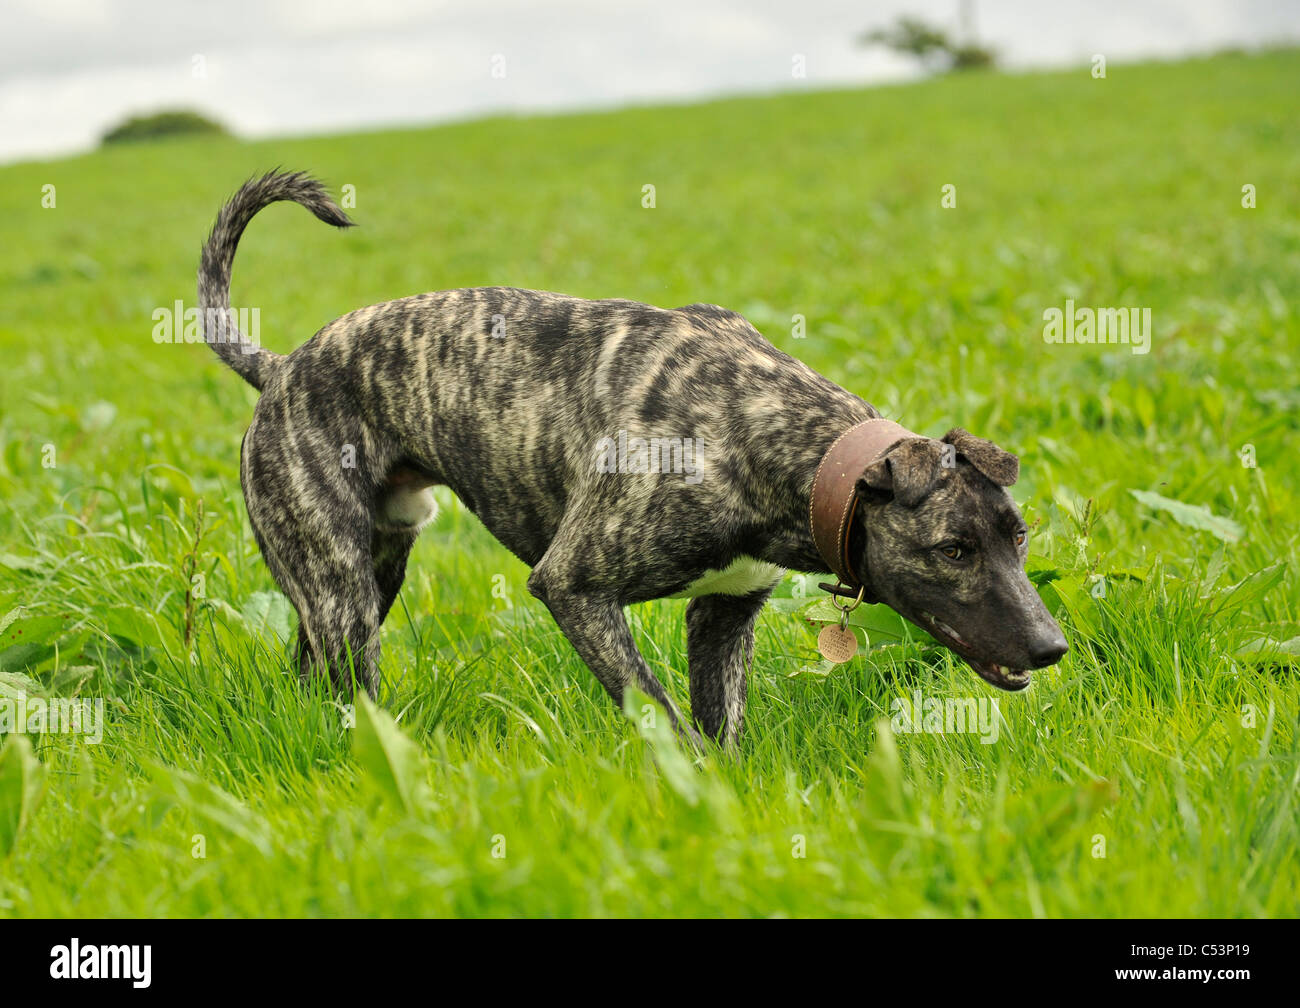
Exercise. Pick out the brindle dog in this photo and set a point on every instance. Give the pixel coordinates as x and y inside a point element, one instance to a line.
<point>515,400</point>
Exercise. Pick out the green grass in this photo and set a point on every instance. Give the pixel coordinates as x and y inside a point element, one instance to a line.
<point>1168,735</point>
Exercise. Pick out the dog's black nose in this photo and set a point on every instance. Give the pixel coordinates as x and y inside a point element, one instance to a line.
<point>1048,648</point>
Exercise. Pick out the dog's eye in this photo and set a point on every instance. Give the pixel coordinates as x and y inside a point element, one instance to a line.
<point>1021,537</point>
<point>951,552</point>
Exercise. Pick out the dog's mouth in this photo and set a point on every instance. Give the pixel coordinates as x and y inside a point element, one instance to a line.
<point>1002,676</point>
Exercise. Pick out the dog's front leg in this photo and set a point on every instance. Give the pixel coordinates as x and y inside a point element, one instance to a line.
<point>598,631</point>
<point>719,648</point>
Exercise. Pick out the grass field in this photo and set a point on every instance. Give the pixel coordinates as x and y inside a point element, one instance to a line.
<point>1153,772</point>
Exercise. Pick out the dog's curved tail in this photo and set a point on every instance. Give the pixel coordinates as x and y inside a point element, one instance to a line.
<point>250,361</point>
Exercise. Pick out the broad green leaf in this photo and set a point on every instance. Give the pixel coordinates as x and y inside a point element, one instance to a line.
<point>820,670</point>
<point>29,642</point>
<point>21,563</point>
<point>1072,596</point>
<point>15,685</point>
<point>389,758</point>
<point>1269,651</point>
<point>267,612</point>
<point>22,785</point>
<point>210,805</point>
<point>1252,587</point>
<point>1040,576</point>
<point>1196,516</point>
<point>652,725</point>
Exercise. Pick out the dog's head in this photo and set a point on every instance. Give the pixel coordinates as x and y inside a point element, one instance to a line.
<point>945,546</point>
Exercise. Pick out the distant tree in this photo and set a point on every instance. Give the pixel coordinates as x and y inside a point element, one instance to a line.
<point>934,48</point>
<point>175,122</point>
<point>912,37</point>
<point>973,57</point>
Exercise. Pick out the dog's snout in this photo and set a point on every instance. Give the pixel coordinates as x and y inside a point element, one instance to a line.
<point>1048,648</point>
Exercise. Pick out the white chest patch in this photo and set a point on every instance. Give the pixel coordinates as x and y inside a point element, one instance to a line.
<point>742,576</point>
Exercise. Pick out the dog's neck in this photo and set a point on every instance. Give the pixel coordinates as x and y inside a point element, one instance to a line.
<point>811,419</point>
<point>833,499</point>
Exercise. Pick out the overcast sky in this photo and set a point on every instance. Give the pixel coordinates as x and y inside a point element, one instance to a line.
<point>71,68</point>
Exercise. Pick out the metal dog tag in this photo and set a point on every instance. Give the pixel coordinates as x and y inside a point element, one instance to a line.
<point>837,644</point>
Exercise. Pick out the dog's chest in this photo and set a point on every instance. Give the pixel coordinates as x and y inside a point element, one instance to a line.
<point>743,576</point>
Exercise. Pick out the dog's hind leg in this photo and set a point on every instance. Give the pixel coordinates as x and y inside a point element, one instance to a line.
<point>313,522</point>
<point>389,551</point>
<point>719,648</point>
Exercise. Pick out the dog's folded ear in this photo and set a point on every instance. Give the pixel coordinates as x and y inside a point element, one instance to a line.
<point>908,472</point>
<point>1000,466</point>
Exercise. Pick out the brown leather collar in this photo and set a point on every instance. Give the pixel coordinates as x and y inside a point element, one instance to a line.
<point>835,494</point>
